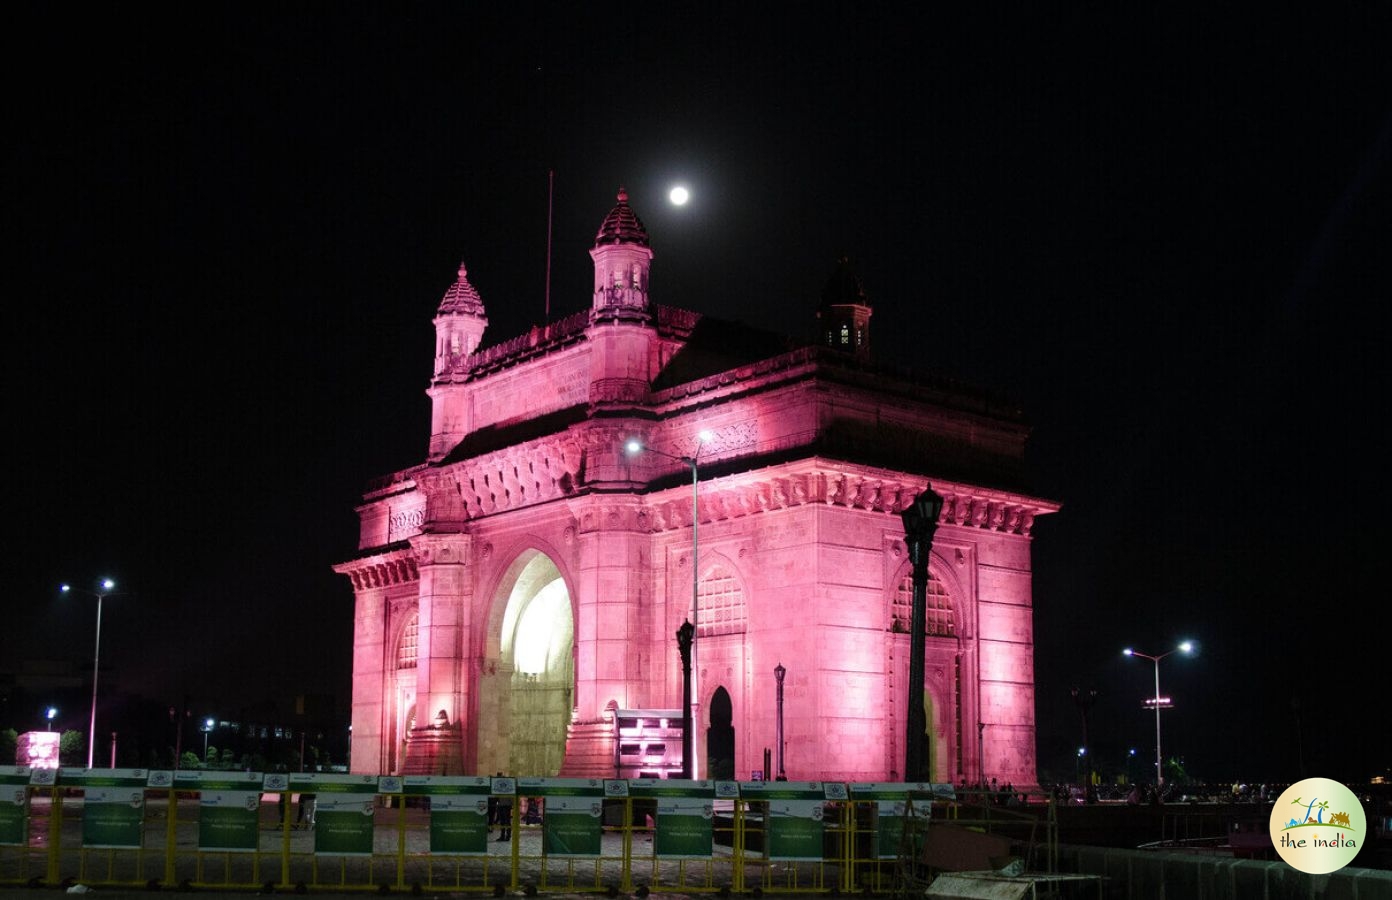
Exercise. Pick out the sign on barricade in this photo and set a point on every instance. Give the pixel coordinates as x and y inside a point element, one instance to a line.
<point>343,810</point>
<point>113,813</point>
<point>891,804</point>
<point>229,806</point>
<point>685,813</point>
<point>574,807</point>
<point>793,815</point>
<point>458,811</point>
<point>14,805</point>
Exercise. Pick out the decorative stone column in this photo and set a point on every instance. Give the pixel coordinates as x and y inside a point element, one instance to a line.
<point>435,746</point>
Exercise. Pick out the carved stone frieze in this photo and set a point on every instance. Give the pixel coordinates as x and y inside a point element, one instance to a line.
<point>615,517</point>
<point>520,476</point>
<point>852,490</point>
<point>619,390</point>
<point>383,570</point>
<point>404,522</point>
<point>443,549</point>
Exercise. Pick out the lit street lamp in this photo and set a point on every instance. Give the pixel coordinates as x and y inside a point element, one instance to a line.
<point>1185,647</point>
<point>207,729</point>
<point>634,447</point>
<point>107,586</point>
<point>52,711</point>
<point>920,522</point>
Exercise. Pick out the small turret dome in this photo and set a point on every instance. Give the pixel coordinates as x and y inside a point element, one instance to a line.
<point>622,225</point>
<point>462,297</point>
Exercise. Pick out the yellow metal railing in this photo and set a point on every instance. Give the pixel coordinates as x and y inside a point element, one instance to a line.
<point>846,844</point>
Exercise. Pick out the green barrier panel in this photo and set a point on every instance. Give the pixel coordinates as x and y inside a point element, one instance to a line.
<point>890,804</point>
<point>685,813</point>
<point>794,811</point>
<point>113,815</point>
<point>458,811</point>
<point>229,806</point>
<point>344,808</point>
<point>14,805</point>
<point>574,814</point>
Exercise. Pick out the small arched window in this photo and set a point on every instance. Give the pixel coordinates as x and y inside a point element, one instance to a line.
<point>406,647</point>
<point>721,604</point>
<point>938,616</point>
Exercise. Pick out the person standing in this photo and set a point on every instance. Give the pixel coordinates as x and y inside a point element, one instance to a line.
<point>504,819</point>
<point>304,814</point>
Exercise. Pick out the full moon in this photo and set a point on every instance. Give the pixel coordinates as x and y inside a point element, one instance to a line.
<point>679,196</point>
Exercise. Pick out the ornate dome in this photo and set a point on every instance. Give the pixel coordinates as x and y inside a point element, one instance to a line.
<point>844,287</point>
<point>622,225</point>
<point>462,296</point>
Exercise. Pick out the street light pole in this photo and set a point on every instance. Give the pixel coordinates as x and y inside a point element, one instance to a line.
<point>1184,647</point>
<point>107,586</point>
<point>633,447</point>
<point>920,522</point>
<point>1084,701</point>
<point>778,672</point>
<point>685,640</point>
<point>207,729</point>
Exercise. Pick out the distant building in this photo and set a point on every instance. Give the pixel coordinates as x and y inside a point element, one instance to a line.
<point>523,584</point>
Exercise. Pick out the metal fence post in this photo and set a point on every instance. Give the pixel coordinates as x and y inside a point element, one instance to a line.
<point>171,843</point>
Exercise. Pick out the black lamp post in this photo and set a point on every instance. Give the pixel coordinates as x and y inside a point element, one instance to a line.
<point>685,633</point>
<point>778,672</point>
<point>1084,701</point>
<point>920,522</point>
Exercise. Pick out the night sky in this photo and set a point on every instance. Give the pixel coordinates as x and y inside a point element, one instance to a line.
<point>1163,230</point>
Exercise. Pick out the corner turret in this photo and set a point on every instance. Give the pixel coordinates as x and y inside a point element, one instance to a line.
<point>622,259</point>
<point>843,317</point>
<point>459,324</point>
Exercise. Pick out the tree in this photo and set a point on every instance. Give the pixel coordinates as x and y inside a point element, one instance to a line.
<point>9,747</point>
<point>72,748</point>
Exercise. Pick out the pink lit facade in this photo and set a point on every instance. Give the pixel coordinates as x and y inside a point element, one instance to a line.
<point>526,580</point>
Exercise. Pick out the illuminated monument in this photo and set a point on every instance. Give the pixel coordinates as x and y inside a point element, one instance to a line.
<point>525,583</point>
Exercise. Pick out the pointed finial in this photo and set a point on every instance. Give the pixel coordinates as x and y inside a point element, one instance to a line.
<point>623,194</point>
<point>463,272</point>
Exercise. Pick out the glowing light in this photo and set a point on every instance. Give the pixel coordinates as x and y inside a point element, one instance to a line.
<point>39,749</point>
<point>679,196</point>
<point>705,435</point>
<point>543,631</point>
<point>633,447</point>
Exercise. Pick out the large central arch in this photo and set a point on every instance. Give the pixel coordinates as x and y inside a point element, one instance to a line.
<point>526,700</point>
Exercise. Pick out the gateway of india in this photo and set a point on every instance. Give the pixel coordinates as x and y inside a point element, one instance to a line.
<point>517,594</point>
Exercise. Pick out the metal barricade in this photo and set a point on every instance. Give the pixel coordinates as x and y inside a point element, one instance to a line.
<point>474,834</point>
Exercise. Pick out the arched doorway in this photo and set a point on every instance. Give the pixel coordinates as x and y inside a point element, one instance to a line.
<point>404,702</point>
<point>526,702</point>
<point>720,737</point>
